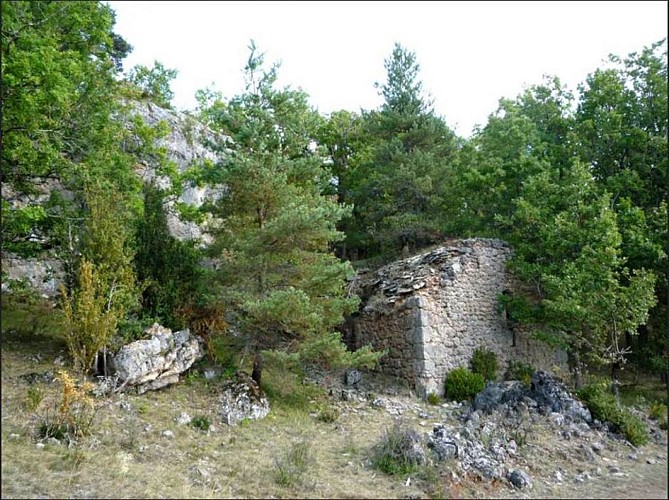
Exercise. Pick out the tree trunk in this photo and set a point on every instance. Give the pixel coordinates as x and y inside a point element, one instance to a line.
<point>257,368</point>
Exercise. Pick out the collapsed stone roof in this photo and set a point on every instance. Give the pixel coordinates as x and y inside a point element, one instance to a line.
<point>406,276</point>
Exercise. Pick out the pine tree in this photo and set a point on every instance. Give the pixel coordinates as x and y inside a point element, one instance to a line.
<point>285,288</point>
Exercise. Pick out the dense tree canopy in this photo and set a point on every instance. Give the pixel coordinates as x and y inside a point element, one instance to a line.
<point>577,183</point>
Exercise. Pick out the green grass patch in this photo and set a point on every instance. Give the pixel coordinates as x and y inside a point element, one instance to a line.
<point>29,318</point>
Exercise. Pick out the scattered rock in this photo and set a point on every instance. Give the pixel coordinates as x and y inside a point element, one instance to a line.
<point>352,377</point>
<point>547,390</point>
<point>597,447</point>
<point>168,434</point>
<point>347,395</point>
<point>519,479</point>
<point>183,419</point>
<point>496,394</point>
<point>106,385</point>
<point>442,443</point>
<point>34,377</point>
<point>241,398</point>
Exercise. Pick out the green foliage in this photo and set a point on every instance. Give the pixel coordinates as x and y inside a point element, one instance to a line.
<point>658,411</point>
<point>107,244</point>
<point>277,276</point>
<point>433,398</point>
<point>329,351</point>
<point>131,328</point>
<point>34,397</point>
<point>18,225</point>
<point>567,241</point>
<point>58,101</point>
<point>461,384</point>
<point>106,289</point>
<point>169,268</point>
<point>602,404</point>
<point>290,469</point>
<point>394,453</point>
<point>201,422</point>
<point>484,362</point>
<point>154,83</point>
<point>518,370</point>
<point>284,384</point>
<point>398,169</point>
<point>25,314</point>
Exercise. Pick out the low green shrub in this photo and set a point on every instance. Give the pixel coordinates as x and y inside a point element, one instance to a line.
<point>201,422</point>
<point>462,384</point>
<point>328,414</point>
<point>602,404</point>
<point>484,362</point>
<point>658,411</point>
<point>395,454</point>
<point>517,370</point>
<point>433,398</point>
<point>34,397</point>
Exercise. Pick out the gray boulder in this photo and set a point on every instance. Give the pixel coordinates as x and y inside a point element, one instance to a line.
<point>352,377</point>
<point>156,362</point>
<point>241,399</point>
<point>548,391</point>
<point>496,394</point>
<point>443,445</point>
<point>519,479</point>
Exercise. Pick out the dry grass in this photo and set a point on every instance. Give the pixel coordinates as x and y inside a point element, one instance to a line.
<point>128,456</point>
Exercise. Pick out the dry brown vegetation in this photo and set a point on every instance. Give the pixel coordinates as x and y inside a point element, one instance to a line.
<point>293,453</point>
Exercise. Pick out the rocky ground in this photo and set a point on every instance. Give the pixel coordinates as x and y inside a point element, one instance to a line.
<point>510,443</point>
<point>517,442</point>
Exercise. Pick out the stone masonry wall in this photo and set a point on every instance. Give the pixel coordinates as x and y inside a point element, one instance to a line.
<point>433,310</point>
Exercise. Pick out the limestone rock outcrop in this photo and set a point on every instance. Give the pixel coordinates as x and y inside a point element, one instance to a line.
<point>158,361</point>
<point>186,143</point>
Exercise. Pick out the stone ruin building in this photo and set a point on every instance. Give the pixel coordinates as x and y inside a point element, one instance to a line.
<point>431,311</point>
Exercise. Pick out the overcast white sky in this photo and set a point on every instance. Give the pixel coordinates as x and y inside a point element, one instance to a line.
<point>471,53</point>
